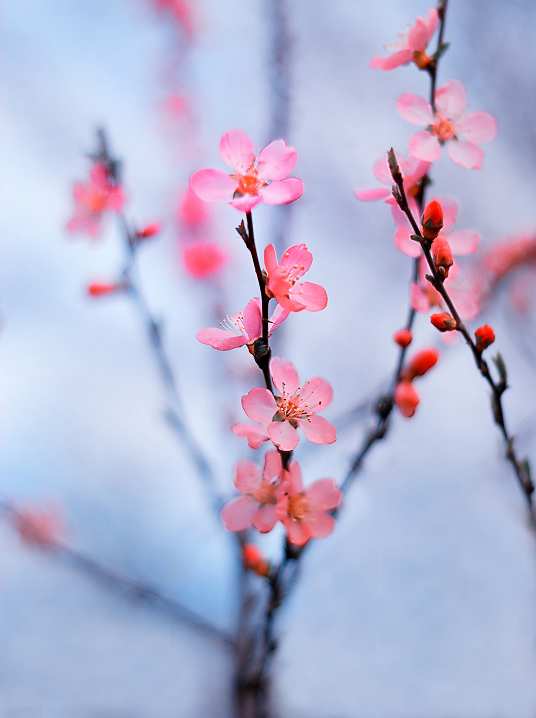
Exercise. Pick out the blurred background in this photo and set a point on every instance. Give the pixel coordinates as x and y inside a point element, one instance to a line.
<point>421,603</point>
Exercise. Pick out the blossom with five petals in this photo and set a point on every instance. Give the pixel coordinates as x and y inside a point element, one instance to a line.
<point>304,512</point>
<point>283,279</point>
<point>255,179</point>
<point>411,46</point>
<point>259,495</point>
<point>92,199</point>
<point>242,328</point>
<point>447,125</point>
<point>297,406</point>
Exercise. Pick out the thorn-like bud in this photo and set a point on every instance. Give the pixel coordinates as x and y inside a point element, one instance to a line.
<point>432,220</point>
<point>422,362</point>
<point>484,337</point>
<point>97,289</point>
<point>443,321</point>
<point>254,560</point>
<point>396,174</point>
<point>442,254</point>
<point>501,367</point>
<point>406,398</point>
<point>403,338</point>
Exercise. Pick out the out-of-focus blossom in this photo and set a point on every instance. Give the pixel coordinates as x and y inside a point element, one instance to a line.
<point>421,363</point>
<point>98,289</point>
<point>443,321</point>
<point>181,11</point>
<point>410,47</point>
<point>447,125</point>
<point>462,292</point>
<point>304,511</point>
<point>192,210</point>
<point>255,179</point>
<point>283,279</point>
<point>242,328</point>
<point>39,526</point>
<point>406,398</point>
<point>297,406</point>
<point>92,200</point>
<point>502,262</point>
<point>203,259</point>
<point>403,337</point>
<point>257,504</point>
<point>412,170</point>
<point>254,560</point>
<point>149,230</point>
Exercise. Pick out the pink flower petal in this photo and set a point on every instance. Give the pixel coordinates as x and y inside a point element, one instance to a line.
<point>211,185</point>
<point>317,393</point>
<point>402,57</point>
<point>254,433</point>
<point>265,518</point>
<point>324,494</point>
<point>419,300</point>
<point>450,210</point>
<point>283,435</point>
<point>246,202</point>
<point>284,375</point>
<point>422,31</point>
<point>276,161</point>
<point>282,191</point>
<point>318,430</point>
<point>415,109</point>
<point>272,465</point>
<point>478,127</point>
<point>238,513</point>
<point>270,259</point>
<point>451,98</point>
<point>371,195</point>
<point>220,339</point>
<point>248,477</point>
<point>237,150</point>
<point>299,258</point>
<point>405,244</point>
<point>464,241</point>
<point>294,484</point>
<point>259,404</point>
<point>252,319</point>
<point>320,523</point>
<point>298,532</point>
<point>381,170</point>
<point>278,317</point>
<point>465,154</point>
<point>313,297</point>
<point>425,146</point>
<point>202,259</point>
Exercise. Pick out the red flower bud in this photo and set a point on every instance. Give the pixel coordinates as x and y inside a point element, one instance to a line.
<point>403,337</point>
<point>432,220</point>
<point>406,398</point>
<point>484,337</point>
<point>98,290</point>
<point>442,254</point>
<point>421,363</point>
<point>149,231</point>
<point>444,322</point>
<point>254,560</point>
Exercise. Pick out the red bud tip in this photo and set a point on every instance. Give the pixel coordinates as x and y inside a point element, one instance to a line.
<point>432,220</point>
<point>403,338</point>
<point>406,398</point>
<point>422,362</point>
<point>444,322</point>
<point>254,560</point>
<point>484,337</point>
<point>150,230</point>
<point>443,258</point>
<point>98,290</point>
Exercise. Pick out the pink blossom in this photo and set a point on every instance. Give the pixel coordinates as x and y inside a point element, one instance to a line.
<point>461,241</point>
<point>192,210</point>
<point>92,200</point>
<point>297,406</point>
<point>447,125</point>
<point>412,170</point>
<point>242,328</point>
<point>304,512</point>
<point>254,433</point>
<point>410,46</point>
<point>40,526</point>
<point>203,259</point>
<point>182,11</point>
<point>259,495</point>
<point>283,280</point>
<point>255,179</point>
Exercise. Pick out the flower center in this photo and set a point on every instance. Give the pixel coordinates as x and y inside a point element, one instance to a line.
<point>265,494</point>
<point>297,507</point>
<point>96,200</point>
<point>248,183</point>
<point>443,129</point>
<point>235,324</point>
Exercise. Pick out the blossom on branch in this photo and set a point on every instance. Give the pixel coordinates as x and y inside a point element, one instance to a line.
<point>261,178</point>
<point>411,46</point>
<point>242,328</point>
<point>92,199</point>
<point>447,125</point>
<point>297,406</point>
<point>304,512</point>
<point>283,285</point>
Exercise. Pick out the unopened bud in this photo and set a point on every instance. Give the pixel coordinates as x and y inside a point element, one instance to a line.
<point>443,259</point>
<point>432,220</point>
<point>403,337</point>
<point>98,289</point>
<point>422,362</point>
<point>149,231</point>
<point>254,560</point>
<point>484,337</point>
<point>443,321</point>
<point>406,398</point>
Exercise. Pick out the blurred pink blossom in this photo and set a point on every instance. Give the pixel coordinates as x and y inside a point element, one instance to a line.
<point>39,526</point>
<point>411,45</point>
<point>92,199</point>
